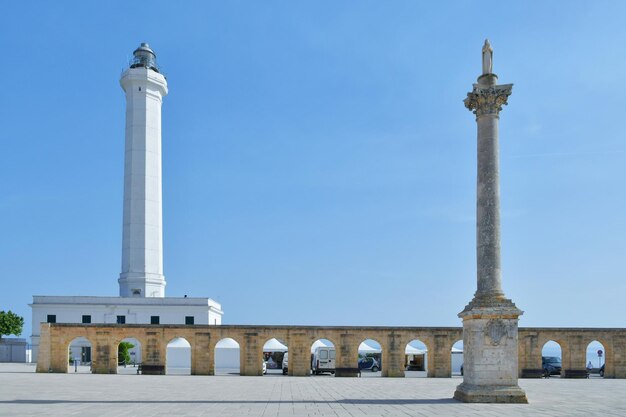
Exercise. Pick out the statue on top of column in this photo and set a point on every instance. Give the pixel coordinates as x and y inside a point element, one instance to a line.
<point>487,97</point>
<point>487,58</point>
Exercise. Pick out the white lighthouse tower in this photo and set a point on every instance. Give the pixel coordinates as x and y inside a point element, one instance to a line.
<point>141,283</point>
<point>142,243</point>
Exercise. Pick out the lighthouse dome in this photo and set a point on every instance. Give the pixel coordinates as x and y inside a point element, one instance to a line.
<point>145,57</point>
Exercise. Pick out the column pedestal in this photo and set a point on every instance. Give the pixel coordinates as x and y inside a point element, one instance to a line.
<point>490,358</point>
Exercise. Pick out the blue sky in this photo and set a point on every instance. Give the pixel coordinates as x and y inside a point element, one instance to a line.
<point>319,165</point>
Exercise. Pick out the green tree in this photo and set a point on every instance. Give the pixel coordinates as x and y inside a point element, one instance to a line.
<point>10,323</point>
<point>122,352</point>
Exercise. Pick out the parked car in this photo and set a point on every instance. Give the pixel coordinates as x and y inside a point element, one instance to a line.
<point>286,363</point>
<point>461,369</point>
<point>369,363</point>
<point>602,371</point>
<point>551,365</point>
<point>323,360</point>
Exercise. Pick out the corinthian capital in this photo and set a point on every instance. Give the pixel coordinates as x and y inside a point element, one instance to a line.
<point>488,99</point>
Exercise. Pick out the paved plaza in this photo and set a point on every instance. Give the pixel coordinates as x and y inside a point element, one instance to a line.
<point>25,393</point>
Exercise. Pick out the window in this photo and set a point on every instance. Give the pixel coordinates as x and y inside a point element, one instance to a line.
<point>323,354</point>
<point>52,318</point>
<point>154,319</point>
<point>121,319</point>
<point>332,354</point>
<point>86,319</point>
<point>188,319</point>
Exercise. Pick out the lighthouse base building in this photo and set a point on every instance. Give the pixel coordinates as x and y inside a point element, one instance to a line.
<point>122,310</point>
<point>141,283</point>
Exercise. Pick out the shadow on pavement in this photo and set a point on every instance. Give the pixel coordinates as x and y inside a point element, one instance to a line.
<point>344,401</point>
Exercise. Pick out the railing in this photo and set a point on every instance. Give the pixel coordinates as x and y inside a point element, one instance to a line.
<point>143,62</point>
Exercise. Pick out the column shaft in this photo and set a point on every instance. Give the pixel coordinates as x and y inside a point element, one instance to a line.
<point>488,208</point>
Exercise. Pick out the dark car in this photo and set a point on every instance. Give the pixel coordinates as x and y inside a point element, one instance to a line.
<point>551,365</point>
<point>369,363</point>
<point>602,371</point>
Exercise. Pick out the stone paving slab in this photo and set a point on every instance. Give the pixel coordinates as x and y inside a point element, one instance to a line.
<point>25,393</point>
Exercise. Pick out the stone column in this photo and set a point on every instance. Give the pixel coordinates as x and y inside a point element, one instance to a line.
<point>609,356</point>
<point>59,345</point>
<point>490,320</point>
<point>212,344</point>
<point>44,358</point>
<point>202,355</point>
<point>104,354</point>
<point>393,356</point>
<point>251,352</point>
<point>529,357</point>
<point>299,354</point>
<point>617,367</point>
<point>442,357</point>
<point>574,358</point>
<point>347,358</point>
<point>154,350</point>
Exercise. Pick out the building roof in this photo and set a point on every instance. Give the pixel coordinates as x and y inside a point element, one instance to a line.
<point>124,301</point>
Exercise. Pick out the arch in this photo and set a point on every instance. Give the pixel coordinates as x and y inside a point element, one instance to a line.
<point>136,339</point>
<point>328,341</point>
<point>596,365</point>
<point>134,355</point>
<point>323,356</point>
<point>416,359</point>
<point>273,354</point>
<point>552,358</point>
<point>227,357</point>
<point>79,355</point>
<point>370,357</point>
<point>456,358</point>
<point>178,357</point>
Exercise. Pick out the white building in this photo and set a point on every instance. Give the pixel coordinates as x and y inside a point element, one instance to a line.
<point>141,283</point>
<point>14,350</point>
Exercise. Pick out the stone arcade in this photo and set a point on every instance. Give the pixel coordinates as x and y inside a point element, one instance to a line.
<point>55,339</point>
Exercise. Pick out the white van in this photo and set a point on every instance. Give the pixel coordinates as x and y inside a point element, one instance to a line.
<point>286,363</point>
<point>323,360</point>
